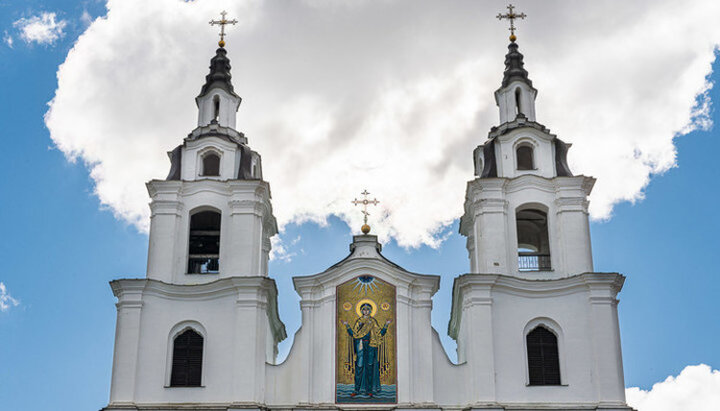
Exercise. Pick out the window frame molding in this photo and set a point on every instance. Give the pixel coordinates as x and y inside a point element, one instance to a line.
<point>552,326</point>
<point>188,226</point>
<point>174,332</point>
<point>525,141</point>
<point>549,221</point>
<point>200,167</point>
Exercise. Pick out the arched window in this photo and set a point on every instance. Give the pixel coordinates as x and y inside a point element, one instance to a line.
<point>543,358</point>
<point>187,360</point>
<point>216,107</point>
<point>211,165</point>
<point>524,155</point>
<point>204,250</point>
<point>533,242</point>
<point>518,106</point>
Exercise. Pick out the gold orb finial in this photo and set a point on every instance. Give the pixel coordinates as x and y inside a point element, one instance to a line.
<point>511,16</point>
<point>365,202</point>
<point>222,22</point>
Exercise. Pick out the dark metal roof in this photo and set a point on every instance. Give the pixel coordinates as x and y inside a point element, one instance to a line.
<point>219,73</point>
<point>514,70</point>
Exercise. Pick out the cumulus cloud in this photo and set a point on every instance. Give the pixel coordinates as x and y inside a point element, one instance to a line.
<point>41,29</point>
<point>6,300</point>
<point>697,388</point>
<point>391,96</point>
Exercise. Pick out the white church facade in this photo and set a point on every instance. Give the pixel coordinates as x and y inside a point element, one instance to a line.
<point>536,328</point>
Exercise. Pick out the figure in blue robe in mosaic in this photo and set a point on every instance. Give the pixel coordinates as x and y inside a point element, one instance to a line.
<point>367,336</point>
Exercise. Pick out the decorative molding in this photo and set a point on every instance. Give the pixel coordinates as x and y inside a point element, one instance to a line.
<point>160,207</point>
<point>602,287</point>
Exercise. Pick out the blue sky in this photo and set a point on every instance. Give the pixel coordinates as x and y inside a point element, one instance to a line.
<point>61,246</point>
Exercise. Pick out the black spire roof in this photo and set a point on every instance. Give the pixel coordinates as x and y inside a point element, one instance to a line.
<point>514,67</point>
<point>219,73</point>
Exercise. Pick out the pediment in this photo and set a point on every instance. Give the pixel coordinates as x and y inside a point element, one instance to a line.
<point>365,259</point>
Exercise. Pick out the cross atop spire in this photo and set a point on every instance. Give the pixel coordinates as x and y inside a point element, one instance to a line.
<point>511,15</point>
<point>222,22</point>
<point>365,202</point>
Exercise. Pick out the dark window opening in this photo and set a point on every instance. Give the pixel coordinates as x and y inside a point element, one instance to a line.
<point>211,165</point>
<point>524,156</point>
<point>533,242</point>
<point>518,106</point>
<point>216,108</point>
<point>204,250</point>
<point>187,360</point>
<point>543,358</point>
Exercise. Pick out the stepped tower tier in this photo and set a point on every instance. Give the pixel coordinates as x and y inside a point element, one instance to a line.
<point>525,213</point>
<point>211,217</point>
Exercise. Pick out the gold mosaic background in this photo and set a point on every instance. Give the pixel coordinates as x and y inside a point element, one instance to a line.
<point>349,295</point>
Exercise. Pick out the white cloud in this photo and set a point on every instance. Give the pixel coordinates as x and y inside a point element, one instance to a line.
<point>41,29</point>
<point>280,251</point>
<point>7,38</point>
<point>697,388</point>
<point>6,300</point>
<point>391,96</point>
<point>86,18</point>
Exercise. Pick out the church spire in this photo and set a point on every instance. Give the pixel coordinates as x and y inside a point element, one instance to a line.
<point>514,67</point>
<point>516,96</point>
<point>217,102</point>
<point>219,75</point>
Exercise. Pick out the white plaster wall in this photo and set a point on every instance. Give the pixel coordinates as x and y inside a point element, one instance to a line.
<point>577,309</point>
<point>507,105</point>
<point>229,105</point>
<point>491,205</point>
<point>246,225</point>
<point>543,153</point>
<point>195,149</point>
<point>232,316</point>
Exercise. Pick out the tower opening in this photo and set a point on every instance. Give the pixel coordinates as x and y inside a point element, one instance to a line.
<point>204,249</point>
<point>216,107</point>
<point>533,241</point>
<point>518,102</point>
<point>211,165</point>
<point>543,358</point>
<point>524,156</point>
<point>187,360</point>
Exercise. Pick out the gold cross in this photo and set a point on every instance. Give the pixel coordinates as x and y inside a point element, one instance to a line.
<point>365,202</point>
<point>222,22</point>
<point>511,15</point>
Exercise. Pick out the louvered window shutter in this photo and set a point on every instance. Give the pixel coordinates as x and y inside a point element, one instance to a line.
<point>187,360</point>
<point>543,358</point>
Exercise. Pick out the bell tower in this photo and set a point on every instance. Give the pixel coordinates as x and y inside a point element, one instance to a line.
<point>525,213</point>
<point>211,217</point>
<point>203,325</point>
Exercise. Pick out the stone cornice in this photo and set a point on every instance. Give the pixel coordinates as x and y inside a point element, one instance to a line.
<point>216,130</point>
<point>519,123</point>
<point>602,287</point>
<point>257,291</point>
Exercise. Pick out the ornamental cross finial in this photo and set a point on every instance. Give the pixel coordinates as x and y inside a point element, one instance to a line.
<point>222,22</point>
<point>365,202</point>
<point>511,15</point>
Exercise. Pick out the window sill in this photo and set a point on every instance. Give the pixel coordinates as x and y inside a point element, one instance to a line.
<point>176,386</point>
<point>548,385</point>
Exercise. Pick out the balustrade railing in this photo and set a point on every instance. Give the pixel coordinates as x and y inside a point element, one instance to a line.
<point>203,264</point>
<point>534,262</point>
